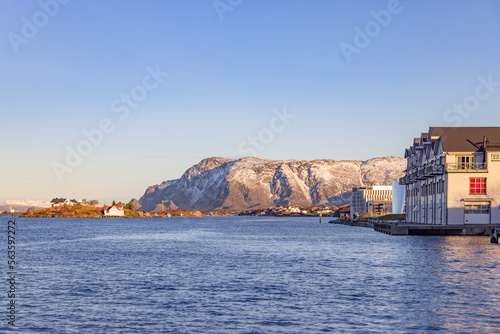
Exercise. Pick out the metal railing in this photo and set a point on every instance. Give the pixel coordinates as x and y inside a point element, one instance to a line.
<point>421,173</point>
<point>413,177</point>
<point>467,167</point>
<point>434,170</point>
<point>431,170</point>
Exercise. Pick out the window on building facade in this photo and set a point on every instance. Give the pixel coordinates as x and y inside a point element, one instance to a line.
<point>464,162</point>
<point>477,185</point>
<point>477,209</point>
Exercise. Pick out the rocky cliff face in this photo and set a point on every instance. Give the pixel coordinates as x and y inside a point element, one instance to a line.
<point>255,183</point>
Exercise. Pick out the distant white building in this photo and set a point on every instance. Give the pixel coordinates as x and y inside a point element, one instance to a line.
<point>115,210</point>
<point>453,176</point>
<point>374,200</point>
<point>55,202</point>
<point>398,197</point>
<point>70,202</point>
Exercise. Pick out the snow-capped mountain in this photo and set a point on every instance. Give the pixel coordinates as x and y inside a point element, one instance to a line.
<point>27,202</point>
<point>22,205</point>
<point>256,183</point>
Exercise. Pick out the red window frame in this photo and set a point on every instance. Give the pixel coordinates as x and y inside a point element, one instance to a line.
<point>477,186</point>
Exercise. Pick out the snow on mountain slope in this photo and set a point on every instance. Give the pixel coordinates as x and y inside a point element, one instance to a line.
<point>382,170</point>
<point>27,202</point>
<point>252,183</point>
<point>22,205</point>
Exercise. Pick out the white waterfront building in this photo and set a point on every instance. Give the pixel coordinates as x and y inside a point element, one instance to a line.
<point>453,176</point>
<point>371,200</point>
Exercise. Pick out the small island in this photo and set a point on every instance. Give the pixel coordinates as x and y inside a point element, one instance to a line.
<point>75,211</point>
<point>119,210</point>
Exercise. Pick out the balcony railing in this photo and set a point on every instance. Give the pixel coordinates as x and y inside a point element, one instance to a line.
<point>431,170</point>
<point>405,180</point>
<point>467,167</point>
<point>421,174</point>
<point>434,170</point>
<point>413,177</point>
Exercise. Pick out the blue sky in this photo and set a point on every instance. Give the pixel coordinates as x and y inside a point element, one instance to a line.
<point>232,66</point>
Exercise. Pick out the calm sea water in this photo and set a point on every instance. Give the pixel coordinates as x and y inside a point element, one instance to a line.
<point>247,275</point>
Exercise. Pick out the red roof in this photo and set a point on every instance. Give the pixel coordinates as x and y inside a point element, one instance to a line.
<point>119,207</point>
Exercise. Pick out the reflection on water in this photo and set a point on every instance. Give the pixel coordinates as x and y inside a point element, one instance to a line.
<point>468,276</point>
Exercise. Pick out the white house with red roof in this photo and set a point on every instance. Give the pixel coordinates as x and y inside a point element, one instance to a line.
<point>115,210</point>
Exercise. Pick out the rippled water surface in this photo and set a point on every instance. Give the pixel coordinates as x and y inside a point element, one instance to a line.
<point>248,275</point>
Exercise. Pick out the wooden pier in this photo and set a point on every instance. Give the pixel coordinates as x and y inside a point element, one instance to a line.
<point>402,228</point>
<point>425,229</point>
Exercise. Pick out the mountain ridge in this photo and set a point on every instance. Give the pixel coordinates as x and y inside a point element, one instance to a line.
<point>239,184</point>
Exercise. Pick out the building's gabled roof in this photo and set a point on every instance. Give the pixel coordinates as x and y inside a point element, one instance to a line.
<point>119,207</point>
<point>454,139</point>
<point>438,147</point>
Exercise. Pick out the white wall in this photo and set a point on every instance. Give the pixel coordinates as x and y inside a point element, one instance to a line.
<point>398,197</point>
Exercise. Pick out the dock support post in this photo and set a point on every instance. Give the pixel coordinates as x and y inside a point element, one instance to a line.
<point>494,235</point>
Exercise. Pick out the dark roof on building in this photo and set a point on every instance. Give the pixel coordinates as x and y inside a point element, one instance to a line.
<point>454,139</point>
<point>58,200</point>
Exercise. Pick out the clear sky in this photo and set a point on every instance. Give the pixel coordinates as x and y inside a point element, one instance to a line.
<point>160,85</point>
